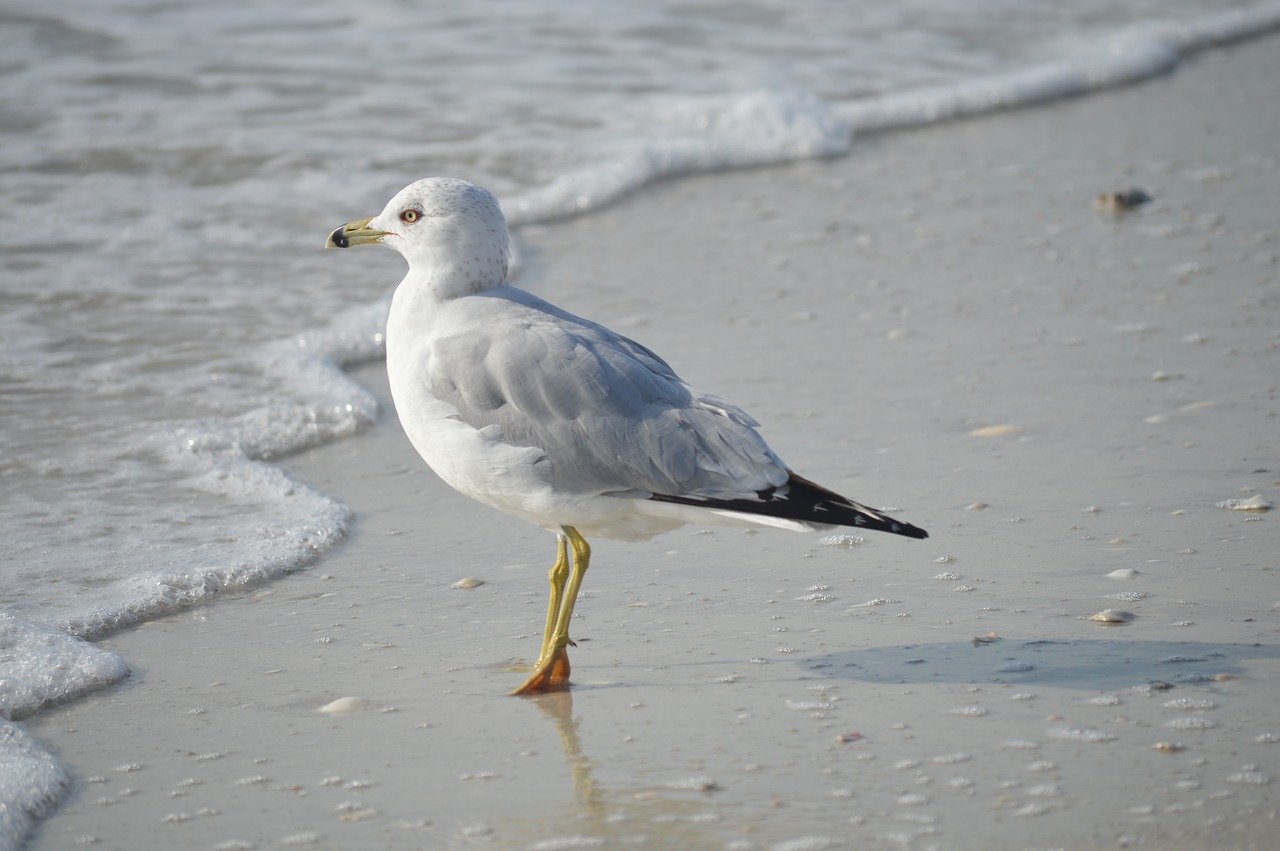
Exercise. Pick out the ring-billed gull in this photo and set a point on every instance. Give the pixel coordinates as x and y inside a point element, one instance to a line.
<point>557,420</point>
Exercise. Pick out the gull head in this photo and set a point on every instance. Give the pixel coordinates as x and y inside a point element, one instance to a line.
<point>451,232</point>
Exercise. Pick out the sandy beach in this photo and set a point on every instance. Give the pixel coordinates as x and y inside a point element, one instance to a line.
<point>942,324</point>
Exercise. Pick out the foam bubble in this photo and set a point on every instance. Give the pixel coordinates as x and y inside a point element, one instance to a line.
<point>32,782</point>
<point>45,666</point>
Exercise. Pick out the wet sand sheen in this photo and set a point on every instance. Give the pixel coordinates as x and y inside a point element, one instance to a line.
<point>1100,382</point>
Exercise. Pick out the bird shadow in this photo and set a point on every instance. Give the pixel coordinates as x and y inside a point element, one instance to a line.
<point>1065,663</point>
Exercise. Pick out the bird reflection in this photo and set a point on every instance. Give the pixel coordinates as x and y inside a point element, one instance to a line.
<point>558,706</point>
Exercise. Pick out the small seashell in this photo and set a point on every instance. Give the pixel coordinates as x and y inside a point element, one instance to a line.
<point>1124,573</point>
<point>989,638</point>
<point>344,706</point>
<point>1168,747</point>
<point>467,583</point>
<point>995,430</point>
<point>1254,503</point>
<point>1121,202</point>
<point>975,506</point>
<point>1113,616</point>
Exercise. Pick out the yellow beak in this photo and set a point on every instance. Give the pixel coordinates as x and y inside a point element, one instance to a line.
<point>354,233</point>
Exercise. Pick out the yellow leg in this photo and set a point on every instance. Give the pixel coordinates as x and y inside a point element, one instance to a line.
<point>581,560</point>
<point>558,575</point>
<point>551,673</point>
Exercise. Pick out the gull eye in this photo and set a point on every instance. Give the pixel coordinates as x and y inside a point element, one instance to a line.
<point>410,216</point>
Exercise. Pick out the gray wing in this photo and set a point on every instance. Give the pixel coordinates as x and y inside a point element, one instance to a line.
<point>609,415</point>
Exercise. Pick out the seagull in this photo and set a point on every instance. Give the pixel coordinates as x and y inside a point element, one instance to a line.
<point>556,419</point>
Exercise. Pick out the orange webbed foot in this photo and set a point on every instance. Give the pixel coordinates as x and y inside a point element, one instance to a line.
<point>549,675</point>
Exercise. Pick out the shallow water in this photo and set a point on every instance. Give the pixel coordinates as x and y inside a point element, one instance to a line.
<point>170,326</point>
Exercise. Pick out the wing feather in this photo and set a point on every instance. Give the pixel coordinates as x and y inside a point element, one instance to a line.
<point>609,414</point>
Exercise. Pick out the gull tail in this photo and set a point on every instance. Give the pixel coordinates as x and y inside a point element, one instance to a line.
<point>807,503</point>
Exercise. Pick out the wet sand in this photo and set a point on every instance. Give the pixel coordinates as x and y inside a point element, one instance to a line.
<point>939,322</point>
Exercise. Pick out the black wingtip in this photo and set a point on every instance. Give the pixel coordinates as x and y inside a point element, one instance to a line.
<point>909,530</point>
<point>827,506</point>
<point>849,513</point>
<point>801,499</point>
